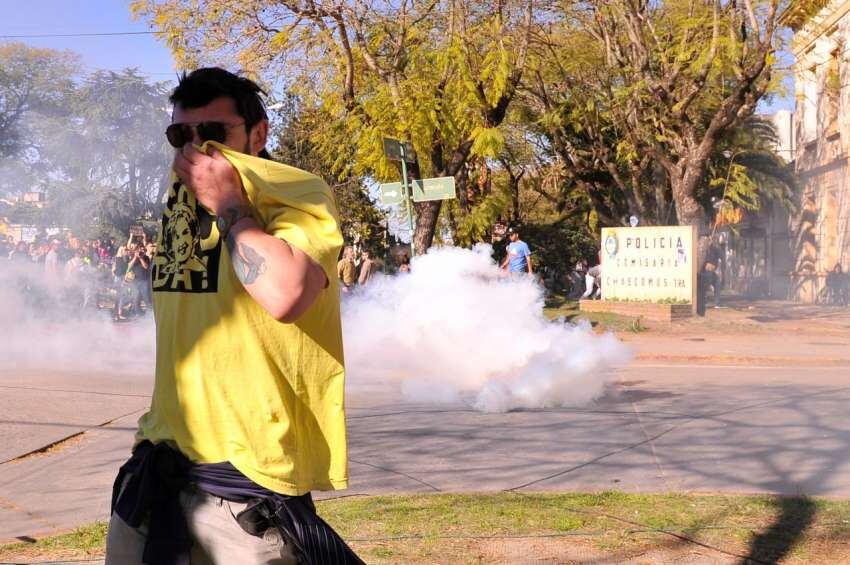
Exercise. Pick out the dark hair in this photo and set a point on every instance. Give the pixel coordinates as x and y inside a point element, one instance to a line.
<point>202,86</point>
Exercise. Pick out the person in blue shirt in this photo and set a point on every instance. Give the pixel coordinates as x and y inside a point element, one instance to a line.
<point>518,259</point>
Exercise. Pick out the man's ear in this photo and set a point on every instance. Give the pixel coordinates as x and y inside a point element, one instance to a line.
<point>259,136</point>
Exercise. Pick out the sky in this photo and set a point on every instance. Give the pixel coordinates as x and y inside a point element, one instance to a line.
<point>42,17</point>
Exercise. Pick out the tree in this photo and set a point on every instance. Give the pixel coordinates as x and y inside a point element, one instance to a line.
<point>440,73</point>
<point>685,72</point>
<point>566,113</point>
<point>35,84</point>
<point>744,171</point>
<point>109,160</point>
<point>94,145</point>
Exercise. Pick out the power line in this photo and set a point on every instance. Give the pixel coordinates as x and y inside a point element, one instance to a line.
<point>102,34</point>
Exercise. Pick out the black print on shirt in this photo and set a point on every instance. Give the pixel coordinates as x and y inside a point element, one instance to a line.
<point>189,250</point>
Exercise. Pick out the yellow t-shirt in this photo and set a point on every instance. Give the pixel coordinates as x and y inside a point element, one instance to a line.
<point>232,383</point>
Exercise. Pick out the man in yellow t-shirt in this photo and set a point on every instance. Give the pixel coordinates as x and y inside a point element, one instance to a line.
<point>247,412</point>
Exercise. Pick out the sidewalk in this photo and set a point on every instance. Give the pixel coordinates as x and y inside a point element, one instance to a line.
<point>751,333</point>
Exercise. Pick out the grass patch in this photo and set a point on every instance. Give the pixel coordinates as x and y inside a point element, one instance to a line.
<point>86,541</point>
<point>559,306</point>
<point>491,528</point>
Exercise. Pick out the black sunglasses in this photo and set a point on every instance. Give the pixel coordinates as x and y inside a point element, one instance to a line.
<point>180,134</point>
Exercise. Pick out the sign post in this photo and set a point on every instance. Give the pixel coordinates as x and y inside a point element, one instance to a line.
<point>423,190</point>
<point>407,198</point>
<point>396,150</point>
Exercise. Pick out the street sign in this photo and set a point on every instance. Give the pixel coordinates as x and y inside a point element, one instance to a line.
<point>441,188</point>
<point>391,193</point>
<point>395,150</point>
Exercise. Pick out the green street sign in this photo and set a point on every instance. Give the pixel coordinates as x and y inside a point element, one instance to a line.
<point>396,150</point>
<point>391,193</point>
<point>442,188</point>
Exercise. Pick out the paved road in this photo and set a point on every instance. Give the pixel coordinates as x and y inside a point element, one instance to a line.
<point>39,407</point>
<point>661,428</point>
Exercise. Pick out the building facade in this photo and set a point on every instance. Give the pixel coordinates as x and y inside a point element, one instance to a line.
<point>820,239</point>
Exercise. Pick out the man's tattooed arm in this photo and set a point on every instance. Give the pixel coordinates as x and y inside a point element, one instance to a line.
<point>247,263</point>
<point>282,279</point>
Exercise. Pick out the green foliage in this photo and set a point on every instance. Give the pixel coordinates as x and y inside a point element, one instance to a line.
<point>745,172</point>
<point>645,92</point>
<point>560,246</point>
<point>600,107</point>
<point>439,74</point>
<point>33,81</point>
<point>475,225</point>
<point>489,142</point>
<point>109,158</point>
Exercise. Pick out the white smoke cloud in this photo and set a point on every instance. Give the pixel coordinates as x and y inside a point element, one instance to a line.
<point>455,329</point>
<point>47,329</point>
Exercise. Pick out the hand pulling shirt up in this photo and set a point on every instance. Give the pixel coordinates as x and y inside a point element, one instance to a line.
<point>232,383</point>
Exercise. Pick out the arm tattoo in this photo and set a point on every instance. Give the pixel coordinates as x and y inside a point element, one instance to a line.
<point>247,263</point>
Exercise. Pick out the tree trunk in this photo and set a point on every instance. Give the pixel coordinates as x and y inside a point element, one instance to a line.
<point>134,188</point>
<point>427,214</point>
<point>689,211</point>
<point>515,196</point>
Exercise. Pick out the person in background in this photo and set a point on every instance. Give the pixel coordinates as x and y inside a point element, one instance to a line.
<point>518,259</point>
<point>103,251</point>
<point>576,280</point>
<point>709,275</point>
<point>91,257</point>
<point>837,283</point>
<point>53,261</point>
<point>135,279</point>
<point>581,266</point>
<point>73,265</point>
<point>21,253</point>
<point>150,251</point>
<point>79,279</point>
<point>366,268</point>
<point>38,252</point>
<point>346,269</point>
<point>119,270</point>
<point>593,282</point>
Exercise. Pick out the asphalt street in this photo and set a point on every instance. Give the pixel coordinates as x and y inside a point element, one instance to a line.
<point>660,428</point>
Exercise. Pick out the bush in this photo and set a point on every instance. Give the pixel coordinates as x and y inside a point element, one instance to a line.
<point>555,249</point>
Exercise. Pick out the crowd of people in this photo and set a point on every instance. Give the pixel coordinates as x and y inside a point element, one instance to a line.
<point>353,271</point>
<point>83,273</point>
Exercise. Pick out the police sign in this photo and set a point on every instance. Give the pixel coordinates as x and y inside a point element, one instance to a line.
<point>653,264</point>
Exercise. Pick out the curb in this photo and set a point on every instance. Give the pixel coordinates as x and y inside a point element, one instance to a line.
<point>745,360</point>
